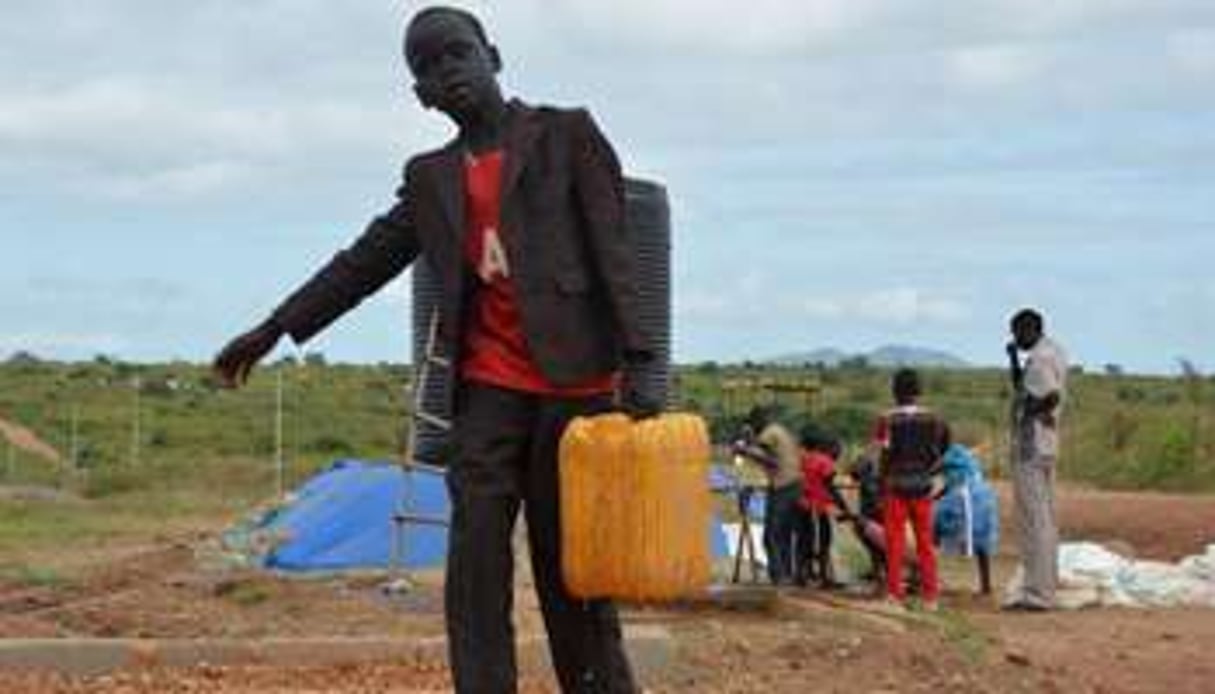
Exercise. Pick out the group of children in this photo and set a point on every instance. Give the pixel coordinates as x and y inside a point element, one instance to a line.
<point>911,472</point>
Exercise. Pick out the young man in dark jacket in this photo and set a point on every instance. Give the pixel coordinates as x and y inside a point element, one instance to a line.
<point>521,219</point>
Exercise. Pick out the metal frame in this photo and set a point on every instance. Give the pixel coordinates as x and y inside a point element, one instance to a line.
<point>404,516</point>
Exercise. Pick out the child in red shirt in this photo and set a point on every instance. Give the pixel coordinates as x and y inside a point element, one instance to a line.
<point>820,499</point>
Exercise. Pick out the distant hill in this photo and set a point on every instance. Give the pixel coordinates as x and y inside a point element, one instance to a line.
<point>828,356</point>
<point>884,356</point>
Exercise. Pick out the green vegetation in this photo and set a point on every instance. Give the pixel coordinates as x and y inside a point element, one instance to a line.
<point>188,433</point>
<point>245,592</point>
<point>201,457</point>
<point>968,639</point>
<point>1120,431</point>
<point>198,447</point>
<point>32,576</point>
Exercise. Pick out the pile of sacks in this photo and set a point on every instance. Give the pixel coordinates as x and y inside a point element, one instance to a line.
<point>1092,576</point>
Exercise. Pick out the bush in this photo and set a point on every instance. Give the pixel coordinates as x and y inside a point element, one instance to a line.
<point>724,428</point>
<point>1121,430</point>
<point>109,481</point>
<point>866,392</point>
<point>329,443</point>
<point>847,422</point>
<point>1130,394</point>
<point>1174,463</point>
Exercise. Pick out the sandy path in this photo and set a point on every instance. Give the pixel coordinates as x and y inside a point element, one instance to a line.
<point>28,441</point>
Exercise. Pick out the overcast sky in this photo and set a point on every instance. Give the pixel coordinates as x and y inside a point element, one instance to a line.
<point>842,172</point>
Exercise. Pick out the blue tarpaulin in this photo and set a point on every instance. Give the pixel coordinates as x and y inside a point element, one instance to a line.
<point>724,481</point>
<point>719,542</point>
<point>341,519</point>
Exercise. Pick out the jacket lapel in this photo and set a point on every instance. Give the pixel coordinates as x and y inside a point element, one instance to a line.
<point>523,127</point>
<point>517,143</point>
<point>449,184</point>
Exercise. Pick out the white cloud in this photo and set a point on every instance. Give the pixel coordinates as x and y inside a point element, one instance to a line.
<point>996,66</point>
<point>129,138</point>
<point>399,292</point>
<point>799,137</point>
<point>823,307</point>
<point>761,26</point>
<point>168,99</point>
<point>177,182</point>
<point>896,306</point>
<point>114,115</point>
<point>748,289</point>
<point>782,27</point>
<point>759,299</point>
<point>1048,17</point>
<point>702,305</point>
<point>908,305</point>
<point>1193,50</point>
<point>52,343</point>
<point>111,290</point>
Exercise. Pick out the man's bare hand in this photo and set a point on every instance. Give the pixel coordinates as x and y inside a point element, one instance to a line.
<point>233,364</point>
<point>635,402</point>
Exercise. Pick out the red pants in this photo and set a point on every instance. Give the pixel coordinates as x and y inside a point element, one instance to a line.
<point>896,512</point>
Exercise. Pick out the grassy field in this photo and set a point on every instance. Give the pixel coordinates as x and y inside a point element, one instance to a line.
<point>153,452</point>
<point>1122,431</point>
<point>113,539</point>
<point>190,434</point>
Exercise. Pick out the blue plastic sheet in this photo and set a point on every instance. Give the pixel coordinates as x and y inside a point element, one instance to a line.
<point>966,519</point>
<point>341,519</point>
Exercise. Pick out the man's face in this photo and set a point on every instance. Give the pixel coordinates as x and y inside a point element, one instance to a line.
<point>1025,334</point>
<point>452,68</point>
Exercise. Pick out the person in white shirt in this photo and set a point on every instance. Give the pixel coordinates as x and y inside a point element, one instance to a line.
<point>1040,386</point>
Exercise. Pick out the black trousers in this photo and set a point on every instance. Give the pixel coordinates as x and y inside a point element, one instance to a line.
<point>814,536</point>
<point>781,518</point>
<point>505,455</point>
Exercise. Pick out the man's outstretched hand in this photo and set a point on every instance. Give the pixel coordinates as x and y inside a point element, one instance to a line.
<point>234,362</point>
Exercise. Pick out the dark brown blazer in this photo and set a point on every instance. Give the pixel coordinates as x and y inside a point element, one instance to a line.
<point>563,230</point>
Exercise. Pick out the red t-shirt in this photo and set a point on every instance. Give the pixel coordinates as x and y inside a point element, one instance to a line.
<point>495,347</point>
<point>817,470</point>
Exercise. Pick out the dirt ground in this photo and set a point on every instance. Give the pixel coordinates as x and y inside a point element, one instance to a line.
<point>1154,526</point>
<point>27,441</point>
<point>794,641</point>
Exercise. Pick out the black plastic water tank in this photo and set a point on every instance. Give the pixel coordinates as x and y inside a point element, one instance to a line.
<point>648,219</point>
<point>429,440</point>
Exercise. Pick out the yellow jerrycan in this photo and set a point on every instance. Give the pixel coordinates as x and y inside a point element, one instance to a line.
<point>635,507</point>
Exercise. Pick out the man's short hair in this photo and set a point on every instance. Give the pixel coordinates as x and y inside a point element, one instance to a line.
<point>463,14</point>
<point>760,416</point>
<point>1028,317</point>
<point>905,384</point>
<point>813,437</point>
